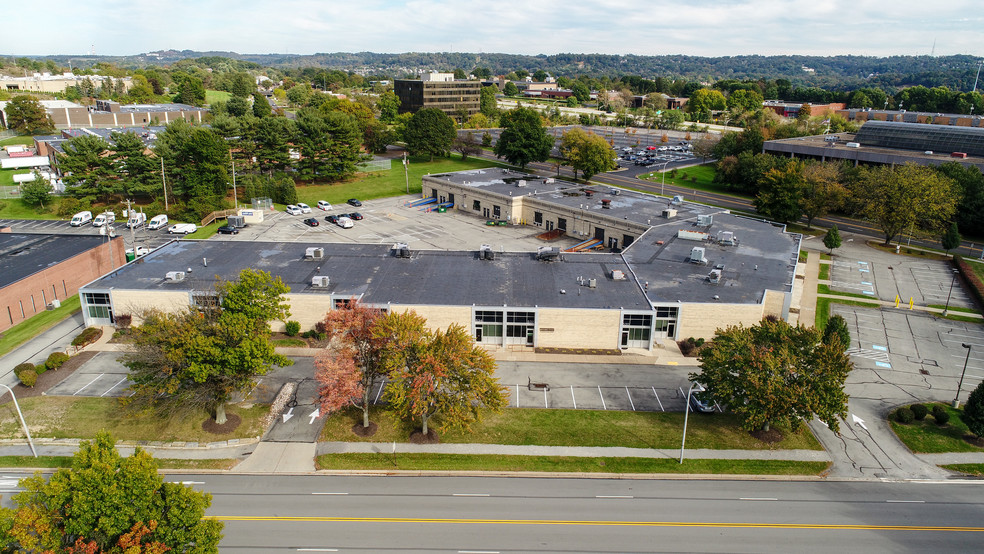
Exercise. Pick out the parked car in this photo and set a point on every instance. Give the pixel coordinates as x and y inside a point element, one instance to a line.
<point>305,209</point>
<point>324,205</point>
<point>157,222</point>
<point>182,228</point>
<point>356,216</point>
<point>354,202</point>
<point>331,218</point>
<point>293,210</point>
<point>699,405</point>
<point>228,230</point>
<point>650,148</point>
<point>141,251</point>
<point>311,222</point>
<point>345,223</point>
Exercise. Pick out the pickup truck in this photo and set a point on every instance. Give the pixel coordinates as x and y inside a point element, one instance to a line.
<point>182,228</point>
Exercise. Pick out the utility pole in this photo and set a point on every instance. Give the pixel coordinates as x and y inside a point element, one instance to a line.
<point>133,238</point>
<point>979,64</point>
<point>235,195</point>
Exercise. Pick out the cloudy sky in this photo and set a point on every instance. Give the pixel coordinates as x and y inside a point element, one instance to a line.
<point>644,27</point>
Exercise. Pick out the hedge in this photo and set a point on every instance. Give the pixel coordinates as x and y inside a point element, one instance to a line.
<point>55,360</point>
<point>28,377</point>
<point>88,336</point>
<point>21,368</point>
<point>971,278</point>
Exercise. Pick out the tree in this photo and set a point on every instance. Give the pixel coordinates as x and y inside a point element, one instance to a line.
<point>488,105</point>
<point>820,191</point>
<point>351,368</point>
<point>138,173</point>
<point>703,101</point>
<point>377,136</point>
<point>705,145</point>
<point>237,106</point>
<point>429,132</point>
<point>389,106</point>
<point>197,359</point>
<point>744,101</point>
<point>87,167</point>
<point>900,197</point>
<point>523,138</point>
<point>775,373</point>
<point>27,116</point>
<point>540,75</point>
<point>261,106</point>
<point>587,152</point>
<point>437,373</point>
<point>973,412</point>
<point>510,89</point>
<point>106,503</point>
<point>951,238</point>
<point>670,120</point>
<point>330,144</point>
<point>191,91</point>
<point>779,194</point>
<point>832,239</point>
<point>273,137</point>
<point>836,329</point>
<point>581,92</point>
<point>466,145</point>
<point>36,192</point>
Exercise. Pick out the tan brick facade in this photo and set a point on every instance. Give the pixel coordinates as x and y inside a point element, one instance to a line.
<point>578,328</point>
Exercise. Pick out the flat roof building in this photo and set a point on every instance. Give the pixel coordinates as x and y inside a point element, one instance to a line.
<point>439,90</point>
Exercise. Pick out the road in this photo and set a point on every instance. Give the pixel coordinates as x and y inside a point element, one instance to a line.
<point>478,514</point>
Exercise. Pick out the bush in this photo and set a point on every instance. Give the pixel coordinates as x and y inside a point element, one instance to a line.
<point>28,377</point>
<point>55,360</point>
<point>123,321</point>
<point>71,206</point>
<point>919,411</point>
<point>970,277</point>
<point>940,414</point>
<point>321,336</point>
<point>904,415</point>
<point>21,368</point>
<point>292,328</point>
<point>308,334</point>
<point>88,335</point>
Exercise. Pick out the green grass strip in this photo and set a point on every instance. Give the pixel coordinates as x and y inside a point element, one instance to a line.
<point>563,464</point>
<point>970,469</point>
<point>824,274</point>
<point>954,308</point>
<point>825,289</point>
<point>927,437</point>
<point>823,309</point>
<point>41,322</point>
<point>55,462</point>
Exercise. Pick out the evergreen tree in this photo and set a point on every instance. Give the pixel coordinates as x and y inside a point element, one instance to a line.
<point>837,327</point>
<point>973,411</point>
<point>951,238</point>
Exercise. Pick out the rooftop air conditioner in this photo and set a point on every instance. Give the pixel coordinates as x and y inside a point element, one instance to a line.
<point>314,253</point>
<point>174,276</point>
<point>697,255</point>
<point>705,220</point>
<point>547,253</point>
<point>320,281</point>
<point>485,252</point>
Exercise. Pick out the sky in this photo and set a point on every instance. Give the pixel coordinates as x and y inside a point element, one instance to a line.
<point>642,27</point>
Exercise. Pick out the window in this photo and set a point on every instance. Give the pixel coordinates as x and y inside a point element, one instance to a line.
<point>521,317</point>
<point>496,212</point>
<point>538,218</point>
<point>476,205</point>
<point>637,320</point>
<point>488,316</point>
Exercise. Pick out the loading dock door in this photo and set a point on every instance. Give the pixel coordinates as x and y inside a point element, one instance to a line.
<point>599,233</point>
<point>561,223</point>
<point>627,240</point>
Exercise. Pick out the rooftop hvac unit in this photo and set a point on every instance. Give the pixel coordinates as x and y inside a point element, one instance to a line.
<point>618,275</point>
<point>697,255</point>
<point>705,220</point>
<point>727,238</point>
<point>677,200</point>
<point>320,281</point>
<point>485,252</point>
<point>714,276</point>
<point>547,253</point>
<point>592,283</point>
<point>669,213</point>
<point>174,276</point>
<point>606,204</point>
<point>314,253</point>
<point>853,145</point>
<point>549,180</point>
<point>521,183</point>
<point>401,250</point>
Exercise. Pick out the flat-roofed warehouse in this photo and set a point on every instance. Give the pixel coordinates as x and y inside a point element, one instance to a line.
<point>678,277</point>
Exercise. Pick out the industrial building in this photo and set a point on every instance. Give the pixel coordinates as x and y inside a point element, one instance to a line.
<point>441,91</point>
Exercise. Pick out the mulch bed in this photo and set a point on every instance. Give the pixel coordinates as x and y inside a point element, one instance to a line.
<point>579,351</point>
<point>361,431</point>
<point>311,343</point>
<point>430,438</point>
<point>232,422</point>
<point>974,440</point>
<point>49,378</point>
<point>771,436</point>
<point>551,235</point>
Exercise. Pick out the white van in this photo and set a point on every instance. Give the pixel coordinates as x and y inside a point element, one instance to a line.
<point>81,218</point>
<point>305,209</point>
<point>104,218</point>
<point>157,222</point>
<point>345,222</point>
<point>293,210</point>
<point>182,228</point>
<point>136,219</point>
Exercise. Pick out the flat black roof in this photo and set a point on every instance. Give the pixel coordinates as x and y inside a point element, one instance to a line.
<point>23,255</point>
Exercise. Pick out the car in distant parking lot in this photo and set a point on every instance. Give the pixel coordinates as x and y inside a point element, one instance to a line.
<point>331,218</point>
<point>311,222</point>
<point>182,228</point>
<point>293,210</point>
<point>356,216</point>
<point>228,230</point>
<point>141,251</point>
<point>345,223</point>
<point>305,209</point>
<point>324,205</point>
<point>354,202</point>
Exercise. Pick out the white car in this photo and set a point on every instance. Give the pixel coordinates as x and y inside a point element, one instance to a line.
<point>305,209</point>
<point>293,210</point>
<point>345,222</point>
<point>141,251</point>
<point>324,205</point>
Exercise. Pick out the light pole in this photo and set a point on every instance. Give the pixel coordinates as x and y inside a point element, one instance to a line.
<point>686,414</point>
<point>23,423</point>
<point>956,399</point>
<point>952,281</point>
<point>662,184</point>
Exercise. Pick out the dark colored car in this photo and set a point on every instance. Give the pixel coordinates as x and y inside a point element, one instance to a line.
<point>354,202</point>
<point>311,222</point>
<point>228,230</point>
<point>699,405</point>
<point>331,218</point>
<point>356,216</point>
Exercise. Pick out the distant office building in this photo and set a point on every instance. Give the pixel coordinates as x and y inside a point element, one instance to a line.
<point>860,115</point>
<point>441,91</point>
<point>106,113</point>
<point>46,82</point>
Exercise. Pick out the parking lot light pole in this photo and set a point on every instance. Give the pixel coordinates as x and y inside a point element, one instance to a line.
<point>956,399</point>
<point>952,281</point>
<point>663,183</point>
<point>23,423</point>
<point>686,413</point>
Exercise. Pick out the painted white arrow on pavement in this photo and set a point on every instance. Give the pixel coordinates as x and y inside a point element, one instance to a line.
<point>858,421</point>
<point>314,415</point>
<point>288,415</point>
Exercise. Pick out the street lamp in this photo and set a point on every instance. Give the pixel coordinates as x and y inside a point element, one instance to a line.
<point>956,399</point>
<point>23,423</point>
<point>686,413</point>
<point>952,281</point>
<point>662,185</point>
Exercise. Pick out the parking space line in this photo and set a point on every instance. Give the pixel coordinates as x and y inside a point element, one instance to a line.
<point>87,384</point>
<point>603,405</point>
<point>572,397</point>
<point>631,403</point>
<point>113,387</point>
<point>657,400</point>
<point>517,395</point>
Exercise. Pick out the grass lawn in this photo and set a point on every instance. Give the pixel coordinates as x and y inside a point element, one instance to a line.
<point>81,417</point>
<point>24,140</point>
<point>824,274</point>
<point>213,96</point>
<point>802,256</point>
<point>579,428</point>
<point>927,437</point>
<point>955,309</point>
<point>288,342</point>
<point>977,266</point>
<point>206,231</point>
<point>26,330</point>
<point>825,257</point>
<point>704,175</point>
<point>15,208</point>
<point>823,309</point>
<point>970,469</point>
<point>55,462</point>
<point>381,184</point>
<point>463,462</point>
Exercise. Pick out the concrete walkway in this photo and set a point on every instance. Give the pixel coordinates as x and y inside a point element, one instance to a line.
<point>279,457</point>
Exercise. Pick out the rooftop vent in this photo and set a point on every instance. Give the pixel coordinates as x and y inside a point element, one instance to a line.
<point>727,238</point>
<point>521,183</point>
<point>705,220</point>
<point>547,253</point>
<point>320,281</point>
<point>669,213</point>
<point>697,255</point>
<point>401,250</point>
<point>174,276</point>
<point>485,252</point>
<point>618,275</point>
<point>677,200</point>
<point>714,276</point>
<point>314,253</point>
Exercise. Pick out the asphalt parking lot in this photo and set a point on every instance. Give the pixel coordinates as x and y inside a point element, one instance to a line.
<point>883,276</point>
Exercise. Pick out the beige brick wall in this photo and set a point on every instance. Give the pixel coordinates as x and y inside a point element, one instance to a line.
<point>134,302</point>
<point>702,320</point>
<point>440,317</point>
<point>578,328</point>
<point>774,304</point>
<point>306,309</point>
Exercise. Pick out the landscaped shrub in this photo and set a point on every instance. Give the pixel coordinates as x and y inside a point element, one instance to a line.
<point>690,346</point>
<point>292,328</point>
<point>919,411</point>
<point>88,336</point>
<point>940,414</point>
<point>55,360</point>
<point>308,334</point>
<point>28,377</point>
<point>21,368</point>
<point>123,321</point>
<point>904,415</point>
<point>970,277</point>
